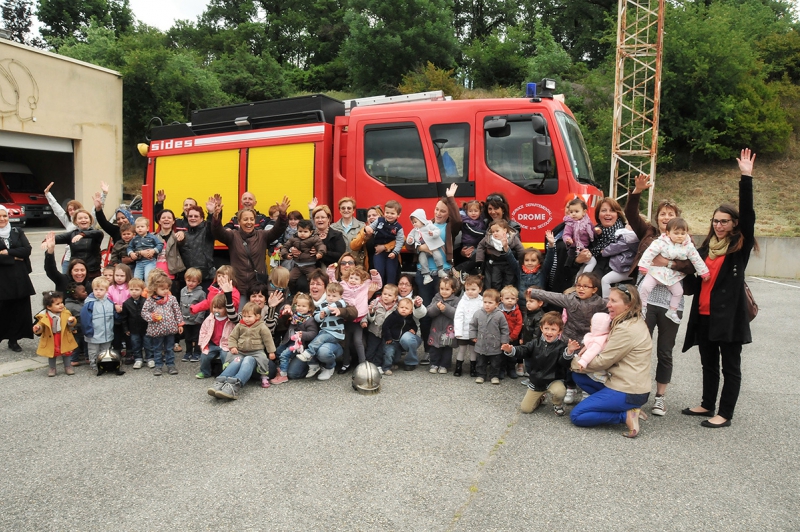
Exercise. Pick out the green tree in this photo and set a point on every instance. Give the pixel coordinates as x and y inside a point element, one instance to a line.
<point>63,19</point>
<point>500,59</point>
<point>390,38</point>
<point>17,16</point>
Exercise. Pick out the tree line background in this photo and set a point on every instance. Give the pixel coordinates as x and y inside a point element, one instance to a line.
<point>731,75</point>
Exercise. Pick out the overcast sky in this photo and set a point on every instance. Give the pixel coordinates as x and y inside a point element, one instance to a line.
<point>163,13</point>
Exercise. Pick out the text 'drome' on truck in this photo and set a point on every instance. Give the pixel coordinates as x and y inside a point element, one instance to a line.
<point>409,148</point>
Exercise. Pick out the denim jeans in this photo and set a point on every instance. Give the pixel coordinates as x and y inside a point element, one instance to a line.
<point>135,344</point>
<point>327,354</point>
<point>323,337</point>
<point>391,352</point>
<point>297,369</point>
<point>284,355</point>
<point>604,405</point>
<point>160,348</point>
<point>214,351</point>
<point>144,267</point>
<point>241,368</point>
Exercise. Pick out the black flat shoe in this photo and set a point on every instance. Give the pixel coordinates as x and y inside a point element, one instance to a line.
<point>344,369</point>
<point>690,412</point>
<point>706,423</point>
<point>14,346</point>
<point>410,368</point>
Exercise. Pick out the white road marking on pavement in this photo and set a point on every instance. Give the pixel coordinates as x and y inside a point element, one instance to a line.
<point>775,282</point>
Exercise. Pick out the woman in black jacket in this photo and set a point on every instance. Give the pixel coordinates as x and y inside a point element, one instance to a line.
<point>84,242</point>
<point>196,243</point>
<point>16,288</point>
<point>718,322</point>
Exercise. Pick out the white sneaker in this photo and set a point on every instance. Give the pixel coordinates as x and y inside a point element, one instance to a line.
<point>433,369</point>
<point>659,408</point>
<point>137,364</point>
<point>326,374</point>
<point>313,369</point>
<point>427,279</point>
<point>673,315</point>
<point>442,370</point>
<point>569,398</point>
<point>442,274</point>
<point>380,370</point>
<point>151,363</point>
<point>584,395</point>
<point>305,356</point>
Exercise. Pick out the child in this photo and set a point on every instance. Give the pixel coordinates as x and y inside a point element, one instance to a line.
<point>305,241</point>
<point>119,253</point>
<point>54,325</point>
<point>302,330</point>
<point>225,272</point>
<point>531,272</point>
<point>578,230</point>
<point>293,218</point>
<point>144,248</point>
<point>468,305</point>
<point>97,320</point>
<point>108,273</point>
<point>547,358</point>
<point>594,341</point>
<point>133,325</point>
<point>380,308</point>
<point>509,297</point>
<point>162,312</point>
<point>442,311</point>
<point>621,253</point>
<point>488,330</point>
<point>331,329</point>
<point>399,334</point>
<point>216,330</point>
<point>427,234</point>
<point>533,315</point>
<point>118,293</point>
<point>191,295</point>
<point>273,212</point>
<point>358,289</point>
<point>473,231</point>
<point>675,244</point>
<point>76,295</point>
<point>386,231</point>
<point>251,338</point>
<point>500,248</point>
<point>579,306</point>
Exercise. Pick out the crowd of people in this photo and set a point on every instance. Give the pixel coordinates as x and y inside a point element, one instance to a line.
<point>304,298</point>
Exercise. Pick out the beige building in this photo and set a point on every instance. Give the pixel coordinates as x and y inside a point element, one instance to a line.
<point>63,119</point>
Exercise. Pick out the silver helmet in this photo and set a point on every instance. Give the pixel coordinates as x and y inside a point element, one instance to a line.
<point>367,379</point>
<point>108,361</point>
<point>108,356</point>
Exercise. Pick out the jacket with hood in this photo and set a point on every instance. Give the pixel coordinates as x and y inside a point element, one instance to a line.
<point>491,330</point>
<point>442,324</point>
<point>622,250</point>
<point>579,311</point>
<point>47,344</point>
<point>428,234</point>
<point>97,320</point>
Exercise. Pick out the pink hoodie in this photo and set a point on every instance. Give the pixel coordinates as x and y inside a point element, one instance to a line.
<point>595,340</point>
<point>118,293</point>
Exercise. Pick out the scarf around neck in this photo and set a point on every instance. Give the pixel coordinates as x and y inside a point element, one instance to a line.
<point>717,247</point>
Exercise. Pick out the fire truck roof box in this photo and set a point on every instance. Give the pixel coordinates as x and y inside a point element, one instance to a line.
<point>311,109</point>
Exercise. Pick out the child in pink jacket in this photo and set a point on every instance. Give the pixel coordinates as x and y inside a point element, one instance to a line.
<point>595,341</point>
<point>214,333</point>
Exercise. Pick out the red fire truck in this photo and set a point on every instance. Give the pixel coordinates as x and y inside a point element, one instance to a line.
<point>409,148</point>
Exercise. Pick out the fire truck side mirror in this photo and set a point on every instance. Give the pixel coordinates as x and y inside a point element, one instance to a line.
<point>542,155</point>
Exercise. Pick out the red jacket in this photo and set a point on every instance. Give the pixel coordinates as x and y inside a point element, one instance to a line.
<point>514,319</point>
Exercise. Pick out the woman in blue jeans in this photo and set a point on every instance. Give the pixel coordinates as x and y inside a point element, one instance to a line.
<point>626,356</point>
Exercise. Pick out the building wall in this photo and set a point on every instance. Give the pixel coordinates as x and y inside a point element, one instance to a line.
<point>68,99</point>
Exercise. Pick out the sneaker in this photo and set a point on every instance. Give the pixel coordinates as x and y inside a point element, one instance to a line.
<point>51,372</point>
<point>195,357</point>
<point>230,390</point>
<point>380,370</point>
<point>151,363</point>
<point>434,369</point>
<point>559,410</point>
<point>93,368</point>
<point>137,364</point>
<point>462,276</point>
<point>280,379</point>
<point>427,279</point>
<point>525,382</point>
<point>216,387</point>
<point>569,398</point>
<point>264,381</point>
<point>201,375</point>
<point>479,380</point>
<point>673,315</point>
<point>442,274</point>
<point>442,370</point>
<point>424,359</point>
<point>305,356</point>
<point>520,370</point>
<point>495,380</point>
<point>186,358</point>
<point>325,374</point>
<point>659,408</point>
<point>313,369</point>
<point>388,373</point>
<point>172,370</point>
<point>157,371</point>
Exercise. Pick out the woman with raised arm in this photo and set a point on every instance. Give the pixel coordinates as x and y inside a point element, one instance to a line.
<point>65,217</point>
<point>196,243</point>
<point>84,242</point>
<point>16,287</point>
<point>718,322</point>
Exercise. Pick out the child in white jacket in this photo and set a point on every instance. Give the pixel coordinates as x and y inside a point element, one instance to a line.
<point>674,244</point>
<point>426,233</point>
<point>469,304</point>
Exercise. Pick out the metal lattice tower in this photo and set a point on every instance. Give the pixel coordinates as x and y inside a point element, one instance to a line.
<point>637,93</point>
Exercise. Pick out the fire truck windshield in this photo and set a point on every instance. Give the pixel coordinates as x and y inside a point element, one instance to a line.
<point>576,149</point>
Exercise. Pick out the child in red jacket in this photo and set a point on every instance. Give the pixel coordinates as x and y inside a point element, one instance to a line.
<point>509,297</point>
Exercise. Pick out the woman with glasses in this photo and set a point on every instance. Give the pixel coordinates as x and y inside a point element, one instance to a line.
<point>348,225</point>
<point>626,357</point>
<point>658,301</point>
<point>196,243</point>
<point>718,321</point>
<point>16,288</point>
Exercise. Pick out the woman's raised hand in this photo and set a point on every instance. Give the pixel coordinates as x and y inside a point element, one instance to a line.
<point>47,189</point>
<point>98,201</point>
<point>313,204</point>
<point>451,190</point>
<point>642,183</point>
<point>49,243</point>
<point>275,298</point>
<point>283,206</point>
<point>211,204</point>
<point>746,162</point>
<point>104,187</point>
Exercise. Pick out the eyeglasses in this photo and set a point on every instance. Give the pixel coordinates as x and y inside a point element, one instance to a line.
<point>495,197</point>
<point>624,289</point>
<point>586,286</point>
<point>347,263</point>
<point>714,221</point>
<point>343,208</point>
